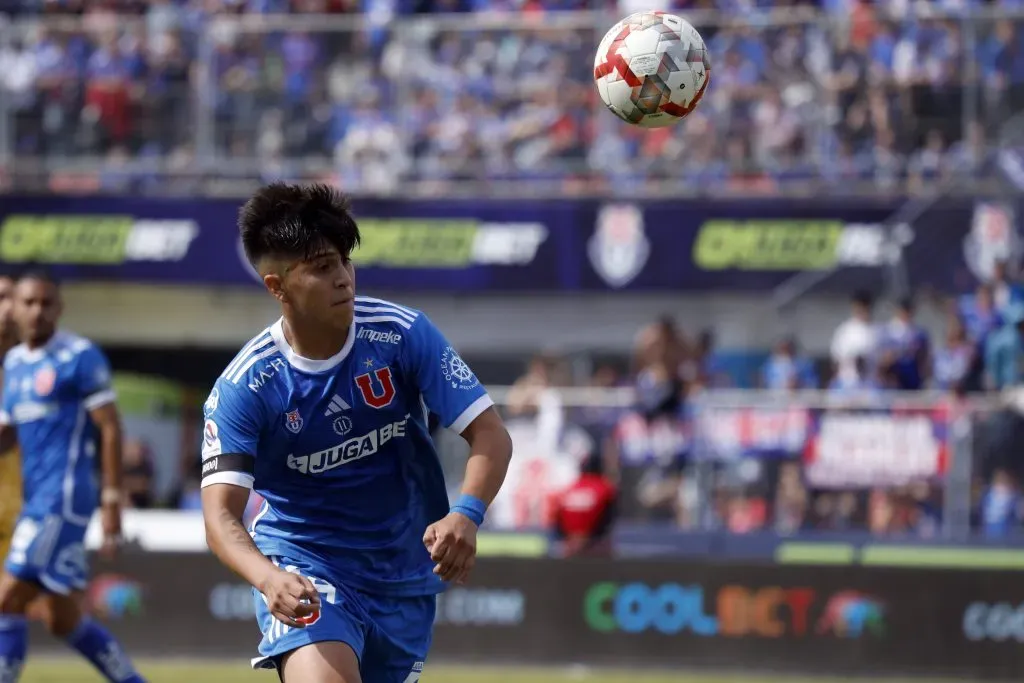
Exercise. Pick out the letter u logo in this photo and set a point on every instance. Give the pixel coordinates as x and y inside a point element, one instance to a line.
<point>377,394</point>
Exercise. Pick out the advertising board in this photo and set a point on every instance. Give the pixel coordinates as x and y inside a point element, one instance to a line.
<point>843,620</point>
<point>553,245</point>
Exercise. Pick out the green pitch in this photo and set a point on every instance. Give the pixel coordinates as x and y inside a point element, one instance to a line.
<point>73,672</point>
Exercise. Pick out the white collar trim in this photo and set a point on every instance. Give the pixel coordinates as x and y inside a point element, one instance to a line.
<point>308,364</point>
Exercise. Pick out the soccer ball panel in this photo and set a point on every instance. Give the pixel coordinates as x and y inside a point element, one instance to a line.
<point>651,69</point>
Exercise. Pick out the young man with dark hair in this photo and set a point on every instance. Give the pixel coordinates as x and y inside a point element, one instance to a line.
<point>58,405</point>
<point>324,414</point>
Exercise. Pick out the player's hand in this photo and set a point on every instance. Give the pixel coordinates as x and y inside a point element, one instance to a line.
<point>452,544</point>
<point>110,517</point>
<point>291,598</point>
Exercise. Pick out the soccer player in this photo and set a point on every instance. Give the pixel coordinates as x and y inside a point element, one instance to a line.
<point>10,460</point>
<point>324,414</point>
<point>57,403</point>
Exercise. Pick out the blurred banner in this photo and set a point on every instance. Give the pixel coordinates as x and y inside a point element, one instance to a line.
<point>842,447</point>
<point>667,614</point>
<point>495,245</point>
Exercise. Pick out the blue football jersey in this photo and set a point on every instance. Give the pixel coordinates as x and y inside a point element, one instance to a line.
<point>48,393</point>
<point>340,449</point>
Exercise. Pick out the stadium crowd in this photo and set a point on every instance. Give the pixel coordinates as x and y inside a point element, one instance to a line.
<point>841,92</point>
<point>651,453</point>
<point>655,457</point>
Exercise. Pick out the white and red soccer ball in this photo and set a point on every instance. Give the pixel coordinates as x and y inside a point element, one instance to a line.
<point>652,69</point>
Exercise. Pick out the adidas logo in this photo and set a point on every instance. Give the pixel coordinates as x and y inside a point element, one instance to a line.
<point>337,405</point>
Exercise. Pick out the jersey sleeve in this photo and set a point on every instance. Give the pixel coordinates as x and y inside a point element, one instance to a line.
<point>5,407</point>
<point>93,378</point>
<point>231,432</point>
<point>449,387</point>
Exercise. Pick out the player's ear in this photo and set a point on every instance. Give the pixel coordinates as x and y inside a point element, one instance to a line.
<point>275,285</point>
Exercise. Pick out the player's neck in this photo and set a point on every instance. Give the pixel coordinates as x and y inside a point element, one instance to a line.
<point>313,341</point>
<point>33,344</point>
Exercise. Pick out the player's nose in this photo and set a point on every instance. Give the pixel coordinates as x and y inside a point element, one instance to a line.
<point>343,279</point>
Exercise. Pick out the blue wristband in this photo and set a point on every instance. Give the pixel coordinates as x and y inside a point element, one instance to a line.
<point>472,507</point>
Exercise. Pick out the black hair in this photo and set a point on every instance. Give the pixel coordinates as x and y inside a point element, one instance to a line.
<point>906,304</point>
<point>296,221</point>
<point>864,298</point>
<point>37,274</point>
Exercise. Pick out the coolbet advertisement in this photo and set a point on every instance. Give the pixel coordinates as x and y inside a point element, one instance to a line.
<point>556,245</point>
<point>665,613</point>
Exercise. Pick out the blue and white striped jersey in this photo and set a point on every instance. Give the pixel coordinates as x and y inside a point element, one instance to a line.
<point>339,448</point>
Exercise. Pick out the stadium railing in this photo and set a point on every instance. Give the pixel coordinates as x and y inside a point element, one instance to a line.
<point>814,463</point>
<point>481,103</point>
<point>751,464</point>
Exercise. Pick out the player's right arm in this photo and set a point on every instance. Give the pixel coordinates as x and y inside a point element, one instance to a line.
<point>230,436</point>
<point>8,434</point>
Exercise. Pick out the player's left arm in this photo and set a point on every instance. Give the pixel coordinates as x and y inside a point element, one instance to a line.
<point>453,393</point>
<point>97,395</point>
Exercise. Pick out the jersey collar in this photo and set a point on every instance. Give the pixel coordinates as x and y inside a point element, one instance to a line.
<point>26,355</point>
<point>308,364</point>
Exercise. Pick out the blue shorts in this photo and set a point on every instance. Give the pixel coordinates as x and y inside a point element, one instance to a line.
<point>390,635</point>
<point>49,551</point>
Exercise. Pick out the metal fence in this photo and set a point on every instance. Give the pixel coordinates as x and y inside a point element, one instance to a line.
<point>899,465</point>
<point>800,102</point>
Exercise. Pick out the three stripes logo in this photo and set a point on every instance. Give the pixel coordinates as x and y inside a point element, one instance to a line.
<point>338,404</point>
<point>343,424</point>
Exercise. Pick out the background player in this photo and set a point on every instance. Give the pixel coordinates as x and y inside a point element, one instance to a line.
<point>10,461</point>
<point>57,402</point>
<point>325,415</point>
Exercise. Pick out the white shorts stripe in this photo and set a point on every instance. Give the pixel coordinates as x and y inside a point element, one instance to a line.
<point>47,541</point>
<point>384,319</point>
<point>52,585</point>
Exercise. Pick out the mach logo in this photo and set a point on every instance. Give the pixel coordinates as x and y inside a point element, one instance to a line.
<point>377,388</point>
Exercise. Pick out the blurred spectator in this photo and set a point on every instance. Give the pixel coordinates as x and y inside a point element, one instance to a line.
<point>582,514</point>
<point>601,418</point>
<point>791,499</point>
<point>953,362</point>
<point>798,99</point>
<point>188,495</point>
<point>836,511</point>
<point>786,371</point>
<point>542,373</point>
<point>1002,507</point>
<point>856,338</point>
<point>1005,289</point>
<point>660,344</point>
<point>904,347</point>
<point>1004,351</point>
<point>861,386</point>
<point>706,367</point>
<point>649,450</point>
<point>979,315</point>
<point>137,474</point>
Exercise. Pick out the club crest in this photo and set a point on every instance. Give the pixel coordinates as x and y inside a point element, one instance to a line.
<point>293,421</point>
<point>44,380</point>
<point>619,249</point>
